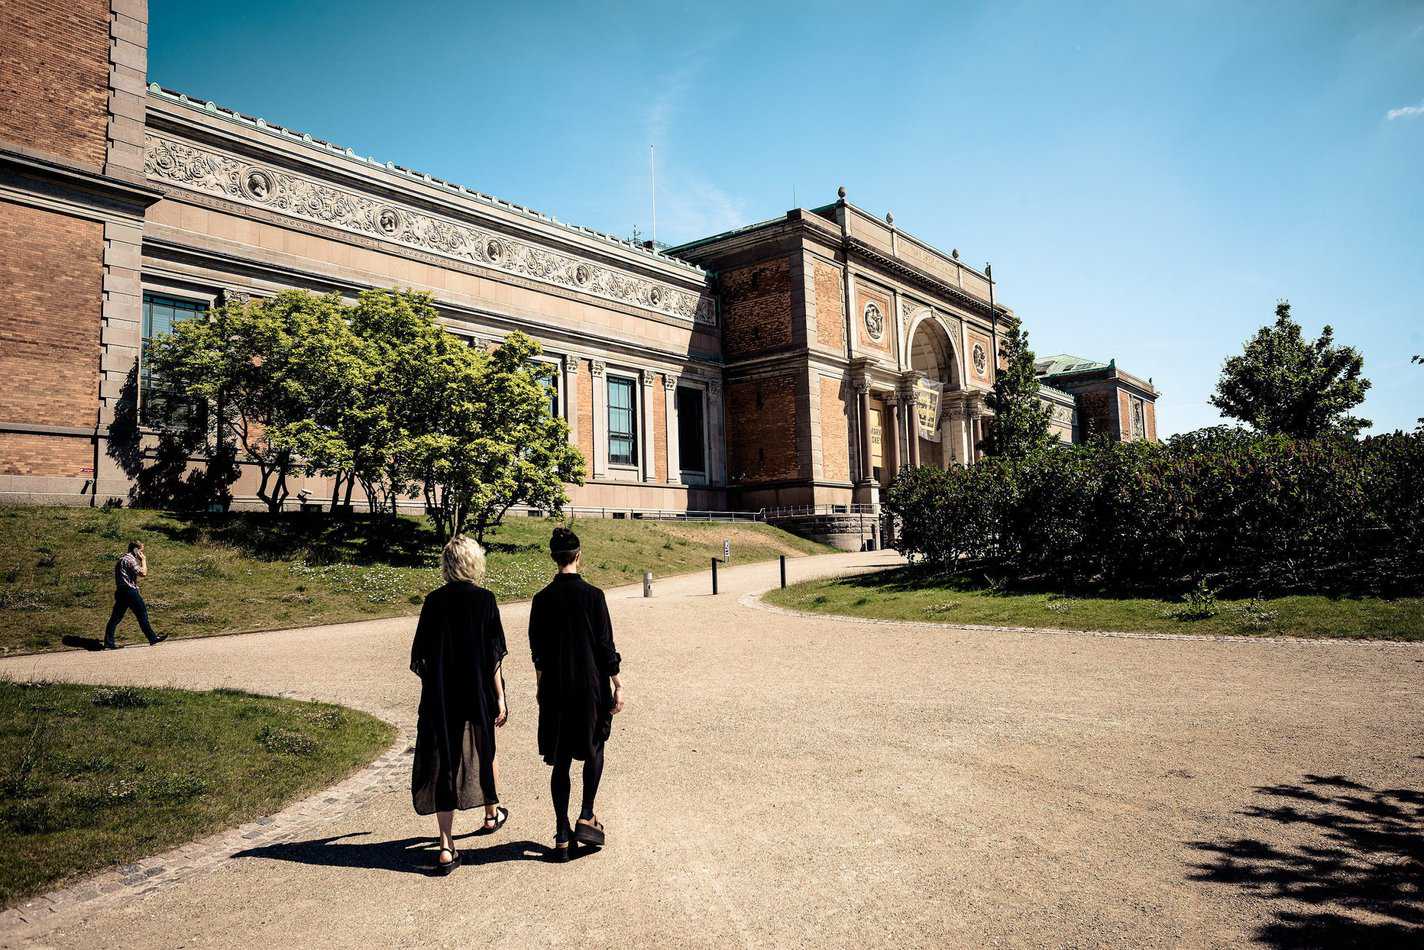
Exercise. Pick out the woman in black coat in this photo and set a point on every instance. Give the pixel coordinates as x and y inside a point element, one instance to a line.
<point>458,654</point>
<point>576,666</point>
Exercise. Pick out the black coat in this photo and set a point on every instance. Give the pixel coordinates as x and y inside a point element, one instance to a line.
<point>571,642</point>
<point>457,653</point>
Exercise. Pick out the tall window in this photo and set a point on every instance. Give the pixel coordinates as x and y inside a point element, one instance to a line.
<point>549,376</point>
<point>691,430</point>
<point>159,405</point>
<point>622,422</point>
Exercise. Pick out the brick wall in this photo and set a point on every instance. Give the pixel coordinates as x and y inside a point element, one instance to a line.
<point>50,297</point>
<point>756,307</point>
<point>761,429</point>
<point>658,397</point>
<point>829,285</point>
<point>1124,415</point>
<point>1149,412</point>
<point>22,453</point>
<point>54,77</point>
<point>1095,414</point>
<point>835,430</point>
<point>584,411</point>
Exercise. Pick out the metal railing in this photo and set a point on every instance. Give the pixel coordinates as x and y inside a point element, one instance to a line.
<point>656,514</point>
<point>803,511</point>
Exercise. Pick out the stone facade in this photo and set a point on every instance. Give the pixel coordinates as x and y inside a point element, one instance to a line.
<point>819,351</point>
<point>1099,398</point>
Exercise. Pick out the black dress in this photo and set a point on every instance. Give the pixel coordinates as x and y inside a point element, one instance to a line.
<point>571,643</point>
<point>458,649</point>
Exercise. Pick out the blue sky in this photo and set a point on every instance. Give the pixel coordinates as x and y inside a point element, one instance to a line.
<point>1147,178</point>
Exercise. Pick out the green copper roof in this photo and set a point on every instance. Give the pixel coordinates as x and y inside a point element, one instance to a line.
<point>1065,363</point>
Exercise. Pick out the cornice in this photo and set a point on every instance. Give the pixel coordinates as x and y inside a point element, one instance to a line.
<point>918,277</point>
<point>581,340</point>
<point>24,170</point>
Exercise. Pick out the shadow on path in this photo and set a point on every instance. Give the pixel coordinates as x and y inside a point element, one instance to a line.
<point>1351,869</point>
<point>91,644</point>
<point>411,855</point>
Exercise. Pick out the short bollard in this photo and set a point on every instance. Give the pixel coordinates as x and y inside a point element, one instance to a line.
<point>714,577</point>
<point>648,583</point>
<point>783,570</point>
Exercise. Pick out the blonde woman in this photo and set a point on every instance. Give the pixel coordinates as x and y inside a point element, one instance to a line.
<point>458,654</point>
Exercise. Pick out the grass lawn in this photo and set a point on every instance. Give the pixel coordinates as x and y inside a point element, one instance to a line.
<point>92,777</point>
<point>907,594</point>
<point>215,574</point>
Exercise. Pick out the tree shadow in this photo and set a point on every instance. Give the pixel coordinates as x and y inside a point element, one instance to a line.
<point>314,537</point>
<point>414,855</point>
<point>1352,872</point>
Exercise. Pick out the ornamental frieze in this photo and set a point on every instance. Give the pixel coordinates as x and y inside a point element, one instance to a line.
<point>295,195</point>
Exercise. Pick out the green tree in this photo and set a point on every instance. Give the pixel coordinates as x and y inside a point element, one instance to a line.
<point>1283,384</point>
<point>1020,424</point>
<point>499,445</point>
<point>265,370</point>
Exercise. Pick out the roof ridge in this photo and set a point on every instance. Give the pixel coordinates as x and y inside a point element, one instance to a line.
<point>331,148</point>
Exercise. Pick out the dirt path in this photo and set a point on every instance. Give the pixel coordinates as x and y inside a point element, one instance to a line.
<point>784,781</point>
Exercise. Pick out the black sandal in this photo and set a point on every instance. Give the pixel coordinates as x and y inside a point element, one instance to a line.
<point>560,854</point>
<point>445,867</point>
<point>501,815</point>
<point>588,831</point>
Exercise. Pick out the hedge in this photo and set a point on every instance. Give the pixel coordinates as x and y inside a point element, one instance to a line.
<point>1239,512</point>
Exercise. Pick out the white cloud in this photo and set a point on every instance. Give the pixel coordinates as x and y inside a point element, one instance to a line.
<point>1407,112</point>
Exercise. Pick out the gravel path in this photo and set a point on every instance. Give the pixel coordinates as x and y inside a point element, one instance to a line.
<point>783,780</point>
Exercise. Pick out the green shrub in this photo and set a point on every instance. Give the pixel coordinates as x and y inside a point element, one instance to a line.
<point>1240,512</point>
<point>1199,603</point>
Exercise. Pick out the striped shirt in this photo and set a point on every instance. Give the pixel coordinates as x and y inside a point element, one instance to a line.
<point>126,572</point>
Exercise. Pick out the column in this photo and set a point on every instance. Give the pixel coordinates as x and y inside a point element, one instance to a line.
<point>716,434</point>
<point>892,440</point>
<point>600,419</point>
<point>571,397</point>
<point>956,434</point>
<point>674,450</point>
<point>912,425</point>
<point>862,408</point>
<point>650,465</point>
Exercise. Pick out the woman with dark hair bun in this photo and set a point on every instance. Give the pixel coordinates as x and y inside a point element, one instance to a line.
<point>576,669</point>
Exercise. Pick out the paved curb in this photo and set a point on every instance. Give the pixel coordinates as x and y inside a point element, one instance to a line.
<point>754,600</point>
<point>388,773</point>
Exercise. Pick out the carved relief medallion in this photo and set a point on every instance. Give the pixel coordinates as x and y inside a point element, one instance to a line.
<point>874,321</point>
<point>257,184</point>
<point>388,220</point>
<point>981,359</point>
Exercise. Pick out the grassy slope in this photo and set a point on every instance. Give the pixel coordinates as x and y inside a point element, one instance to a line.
<point>906,595</point>
<point>224,574</point>
<point>85,784</point>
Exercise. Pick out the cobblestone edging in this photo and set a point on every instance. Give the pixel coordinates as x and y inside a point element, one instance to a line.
<point>755,600</point>
<point>389,772</point>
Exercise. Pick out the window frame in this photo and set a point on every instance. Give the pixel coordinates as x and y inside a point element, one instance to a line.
<point>555,367</point>
<point>693,475</point>
<point>193,302</point>
<point>635,416</point>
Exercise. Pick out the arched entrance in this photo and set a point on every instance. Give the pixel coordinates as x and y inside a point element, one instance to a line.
<point>932,356</point>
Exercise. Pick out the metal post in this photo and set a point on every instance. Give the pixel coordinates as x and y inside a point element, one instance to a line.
<point>647,583</point>
<point>783,570</point>
<point>714,577</point>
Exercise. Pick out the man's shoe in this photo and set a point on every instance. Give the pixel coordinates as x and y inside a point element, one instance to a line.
<point>158,639</point>
<point>112,646</point>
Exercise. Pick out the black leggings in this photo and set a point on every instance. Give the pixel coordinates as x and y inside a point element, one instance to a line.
<point>559,787</point>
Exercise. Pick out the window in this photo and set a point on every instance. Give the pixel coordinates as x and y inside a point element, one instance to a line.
<point>158,405</point>
<point>691,430</point>
<point>622,421</point>
<point>549,376</point>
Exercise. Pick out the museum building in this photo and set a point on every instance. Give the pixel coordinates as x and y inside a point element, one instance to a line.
<point>799,361</point>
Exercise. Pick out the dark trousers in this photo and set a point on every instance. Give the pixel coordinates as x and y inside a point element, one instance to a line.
<point>126,598</point>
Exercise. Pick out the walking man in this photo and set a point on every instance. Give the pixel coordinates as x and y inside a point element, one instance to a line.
<point>576,672</point>
<point>127,571</point>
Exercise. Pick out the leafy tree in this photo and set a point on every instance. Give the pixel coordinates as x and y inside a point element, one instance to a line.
<point>1283,384</point>
<point>499,445</point>
<point>265,369</point>
<point>1020,424</point>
